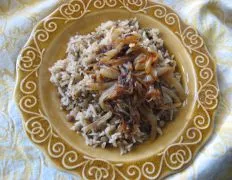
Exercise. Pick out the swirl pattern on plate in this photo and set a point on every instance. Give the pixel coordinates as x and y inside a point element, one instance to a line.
<point>41,132</point>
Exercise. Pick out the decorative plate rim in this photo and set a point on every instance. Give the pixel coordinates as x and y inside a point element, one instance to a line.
<point>60,153</point>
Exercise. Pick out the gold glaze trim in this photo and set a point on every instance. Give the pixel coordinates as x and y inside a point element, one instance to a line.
<point>40,131</point>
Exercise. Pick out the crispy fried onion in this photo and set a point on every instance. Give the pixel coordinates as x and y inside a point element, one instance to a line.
<point>133,85</point>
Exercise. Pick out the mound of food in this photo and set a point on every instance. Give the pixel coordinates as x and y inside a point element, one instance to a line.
<point>118,84</point>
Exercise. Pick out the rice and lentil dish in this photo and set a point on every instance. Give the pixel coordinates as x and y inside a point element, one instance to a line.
<point>118,84</point>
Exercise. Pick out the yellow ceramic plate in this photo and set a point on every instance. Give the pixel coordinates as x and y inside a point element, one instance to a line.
<point>45,123</point>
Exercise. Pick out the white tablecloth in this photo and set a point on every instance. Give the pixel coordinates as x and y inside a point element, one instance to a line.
<point>20,159</point>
